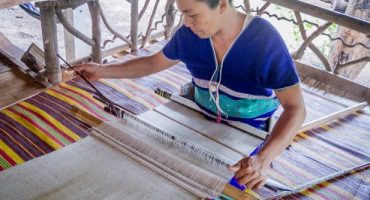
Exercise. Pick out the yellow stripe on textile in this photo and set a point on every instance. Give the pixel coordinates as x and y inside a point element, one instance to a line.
<point>185,80</point>
<point>175,85</point>
<point>313,155</point>
<point>314,191</point>
<point>89,103</point>
<point>62,98</point>
<point>28,125</point>
<point>52,120</point>
<point>84,93</point>
<point>330,147</point>
<point>148,91</point>
<point>277,176</point>
<point>313,195</point>
<point>20,134</point>
<point>11,153</point>
<point>15,141</point>
<point>251,192</point>
<point>128,94</point>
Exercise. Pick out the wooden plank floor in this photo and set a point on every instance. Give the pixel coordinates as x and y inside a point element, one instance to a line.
<point>15,86</point>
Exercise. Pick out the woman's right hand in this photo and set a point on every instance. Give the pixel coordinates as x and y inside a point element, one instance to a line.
<point>91,71</point>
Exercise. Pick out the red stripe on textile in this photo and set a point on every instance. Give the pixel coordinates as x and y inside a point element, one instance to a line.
<point>156,97</point>
<point>15,127</point>
<point>331,190</point>
<point>318,193</point>
<point>36,125</point>
<point>48,123</point>
<point>7,158</point>
<point>17,145</point>
<point>80,94</point>
<point>80,103</point>
<point>47,103</point>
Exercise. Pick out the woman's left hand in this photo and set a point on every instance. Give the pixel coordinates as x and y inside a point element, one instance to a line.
<point>250,171</point>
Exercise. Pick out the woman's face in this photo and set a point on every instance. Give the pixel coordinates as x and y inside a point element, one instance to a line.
<point>202,20</point>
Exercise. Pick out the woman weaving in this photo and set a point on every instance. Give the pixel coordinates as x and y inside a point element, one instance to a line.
<point>241,71</point>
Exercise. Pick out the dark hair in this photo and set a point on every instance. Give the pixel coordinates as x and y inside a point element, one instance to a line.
<point>213,3</point>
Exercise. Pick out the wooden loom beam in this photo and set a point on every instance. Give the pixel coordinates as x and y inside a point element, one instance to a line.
<point>354,23</point>
<point>94,121</point>
<point>331,117</point>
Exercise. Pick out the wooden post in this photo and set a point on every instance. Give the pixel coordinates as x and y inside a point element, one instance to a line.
<point>170,18</point>
<point>50,40</point>
<point>340,54</point>
<point>247,6</point>
<point>69,40</point>
<point>134,25</point>
<point>96,31</point>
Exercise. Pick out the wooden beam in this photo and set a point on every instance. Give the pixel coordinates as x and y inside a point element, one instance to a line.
<point>331,117</point>
<point>69,39</point>
<point>96,31</point>
<point>325,14</point>
<point>334,80</point>
<point>50,40</point>
<point>134,25</point>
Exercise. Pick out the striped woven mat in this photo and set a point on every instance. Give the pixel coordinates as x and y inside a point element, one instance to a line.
<point>41,124</point>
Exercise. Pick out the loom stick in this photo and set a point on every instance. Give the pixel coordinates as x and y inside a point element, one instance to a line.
<point>190,104</point>
<point>323,179</point>
<point>94,121</point>
<point>331,117</point>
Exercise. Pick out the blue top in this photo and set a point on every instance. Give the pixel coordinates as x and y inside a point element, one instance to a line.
<point>242,85</point>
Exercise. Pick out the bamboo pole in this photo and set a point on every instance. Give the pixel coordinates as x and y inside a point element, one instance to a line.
<point>134,25</point>
<point>323,179</point>
<point>331,117</point>
<point>50,40</point>
<point>96,31</point>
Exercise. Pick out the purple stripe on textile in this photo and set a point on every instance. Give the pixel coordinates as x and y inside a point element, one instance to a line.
<point>113,95</point>
<point>54,110</point>
<point>16,147</point>
<point>13,125</point>
<point>62,106</point>
<point>121,99</point>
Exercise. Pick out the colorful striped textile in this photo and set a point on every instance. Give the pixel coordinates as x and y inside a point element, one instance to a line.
<point>337,146</point>
<point>40,124</point>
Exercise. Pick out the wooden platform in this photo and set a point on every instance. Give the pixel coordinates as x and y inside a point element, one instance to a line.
<point>15,85</point>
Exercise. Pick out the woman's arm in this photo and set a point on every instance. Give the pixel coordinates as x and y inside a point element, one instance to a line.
<point>251,171</point>
<point>134,68</point>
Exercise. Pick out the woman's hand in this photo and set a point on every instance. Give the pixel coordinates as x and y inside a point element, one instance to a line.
<point>251,172</point>
<point>91,71</point>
